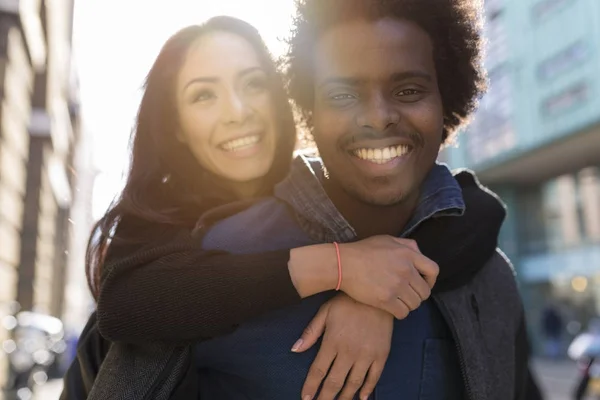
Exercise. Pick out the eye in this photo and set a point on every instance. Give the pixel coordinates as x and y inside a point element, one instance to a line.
<point>407,92</point>
<point>409,95</point>
<point>204,95</point>
<point>257,84</point>
<point>342,96</point>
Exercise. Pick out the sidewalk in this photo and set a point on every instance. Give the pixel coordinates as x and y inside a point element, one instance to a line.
<point>556,378</point>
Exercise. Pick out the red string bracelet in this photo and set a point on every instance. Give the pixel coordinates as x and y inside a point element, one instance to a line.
<point>337,250</point>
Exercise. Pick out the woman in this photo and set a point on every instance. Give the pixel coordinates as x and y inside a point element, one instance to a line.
<point>213,129</point>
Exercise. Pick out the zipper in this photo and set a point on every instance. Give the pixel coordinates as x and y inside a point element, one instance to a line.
<point>461,358</point>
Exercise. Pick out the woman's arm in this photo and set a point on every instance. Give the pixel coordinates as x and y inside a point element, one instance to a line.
<point>182,293</point>
<point>179,292</point>
<point>469,240</point>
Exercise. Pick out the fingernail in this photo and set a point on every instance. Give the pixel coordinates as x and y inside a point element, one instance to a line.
<point>307,397</point>
<point>295,348</point>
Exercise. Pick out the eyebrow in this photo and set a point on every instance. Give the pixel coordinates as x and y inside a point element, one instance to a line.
<point>402,76</point>
<point>396,77</point>
<point>214,79</point>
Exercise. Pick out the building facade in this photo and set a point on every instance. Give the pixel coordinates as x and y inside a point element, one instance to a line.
<point>535,140</point>
<point>39,135</point>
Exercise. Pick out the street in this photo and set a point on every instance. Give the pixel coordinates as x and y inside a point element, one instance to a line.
<point>556,378</point>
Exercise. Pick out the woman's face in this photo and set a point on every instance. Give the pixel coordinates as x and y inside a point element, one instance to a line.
<point>225,108</point>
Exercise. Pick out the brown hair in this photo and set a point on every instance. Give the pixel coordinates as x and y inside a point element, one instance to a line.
<point>165,184</point>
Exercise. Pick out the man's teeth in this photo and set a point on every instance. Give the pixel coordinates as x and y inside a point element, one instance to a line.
<point>382,155</point>
<point>241,143</point>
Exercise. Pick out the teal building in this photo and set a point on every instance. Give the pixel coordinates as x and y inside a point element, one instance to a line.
<point>535,140</point>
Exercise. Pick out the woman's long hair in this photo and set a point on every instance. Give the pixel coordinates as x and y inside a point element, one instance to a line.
<point>166,184</point>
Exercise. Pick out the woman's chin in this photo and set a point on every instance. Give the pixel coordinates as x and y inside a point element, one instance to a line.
<point>249,181</point>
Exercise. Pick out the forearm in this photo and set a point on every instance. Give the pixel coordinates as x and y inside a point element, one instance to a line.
<point>313,269</point>
<point>191,295</point>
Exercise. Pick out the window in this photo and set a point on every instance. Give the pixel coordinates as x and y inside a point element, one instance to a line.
<point>589,192</point>
<point>566,59</point>
<point>493,9</point>
<point>566,99</point>
<point>491,131</point>
<point>561,213</point>
<point>544,8</point>
<point>498,49</point>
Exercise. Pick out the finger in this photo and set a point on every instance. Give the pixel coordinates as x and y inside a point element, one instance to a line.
<point>312,332</point>
<point>335,378</point>
<point>355,380</point>
<point>372,378</point>
<point>410,243</point>
<point>420,286</point>
<point>398,309</point>
<point>407,307</point>
<point>410,297</point>
<point>427,268</point>
<point>318,370</point>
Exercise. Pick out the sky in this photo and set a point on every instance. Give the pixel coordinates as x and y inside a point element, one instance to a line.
<point>114,45</point>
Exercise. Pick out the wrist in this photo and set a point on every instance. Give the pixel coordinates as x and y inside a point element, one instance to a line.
<point>313,269</point>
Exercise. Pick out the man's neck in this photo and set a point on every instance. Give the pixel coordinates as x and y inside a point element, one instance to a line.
<point>370,220</point>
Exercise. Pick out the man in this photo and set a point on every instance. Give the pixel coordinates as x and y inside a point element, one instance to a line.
<point>383,84</point>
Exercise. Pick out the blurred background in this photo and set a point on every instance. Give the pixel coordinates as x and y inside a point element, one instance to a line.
<point>70,79</point>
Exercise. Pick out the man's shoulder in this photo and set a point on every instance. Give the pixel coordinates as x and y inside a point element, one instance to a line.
<point>268,225</point>
<point>500,264</point>
<point>496,283</point>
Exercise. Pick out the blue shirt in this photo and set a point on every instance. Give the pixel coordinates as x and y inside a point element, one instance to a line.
<point>255,362</point>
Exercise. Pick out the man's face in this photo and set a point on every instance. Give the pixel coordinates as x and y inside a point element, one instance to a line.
<point>378,117</point>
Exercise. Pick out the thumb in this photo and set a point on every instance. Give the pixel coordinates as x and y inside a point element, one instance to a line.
<point>312,332</point>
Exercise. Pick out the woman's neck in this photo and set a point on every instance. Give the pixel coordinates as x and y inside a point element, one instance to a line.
<point>247,190</point>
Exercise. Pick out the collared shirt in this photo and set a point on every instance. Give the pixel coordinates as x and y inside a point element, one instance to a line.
<point>302,189</point>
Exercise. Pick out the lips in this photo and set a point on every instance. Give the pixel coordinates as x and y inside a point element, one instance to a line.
<point>240,143</point>
<point>382,151</point>
<point>381,155</point>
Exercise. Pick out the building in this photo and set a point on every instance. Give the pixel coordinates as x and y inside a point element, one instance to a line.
<point>39,134</point>
<point>78,302</point>
<point>536,141</point>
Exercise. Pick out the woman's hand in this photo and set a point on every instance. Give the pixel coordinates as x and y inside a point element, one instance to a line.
<point>357,342</point>
<point>382,271</point>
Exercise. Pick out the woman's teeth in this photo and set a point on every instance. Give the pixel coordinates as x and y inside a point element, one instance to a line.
<point>382,155</point>
<point>241,143</point>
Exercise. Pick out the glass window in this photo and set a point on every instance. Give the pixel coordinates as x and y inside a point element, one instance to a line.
<point>491,131</point>
<point>544,8</point>
<point>561,213</point>
<point>566,59</point>
<point>589,191</point>
<point>566,99</point>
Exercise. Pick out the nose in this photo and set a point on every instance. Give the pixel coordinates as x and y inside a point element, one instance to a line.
<point>378,113</point>
<point>235,110</point>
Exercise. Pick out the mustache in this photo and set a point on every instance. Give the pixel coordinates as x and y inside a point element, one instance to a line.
<point>370,134</point>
